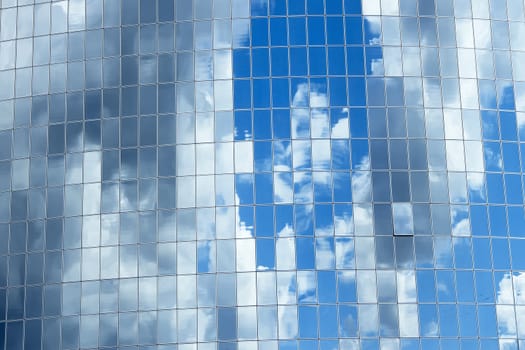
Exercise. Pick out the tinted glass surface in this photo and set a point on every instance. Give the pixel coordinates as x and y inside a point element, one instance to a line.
<point>262,174</point>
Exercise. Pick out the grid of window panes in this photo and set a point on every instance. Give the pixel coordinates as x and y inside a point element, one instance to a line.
<point>262,174</point>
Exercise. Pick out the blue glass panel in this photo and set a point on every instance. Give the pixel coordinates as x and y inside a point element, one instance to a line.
<point>242,96</point>
<point>469,344</point>
<point>262,125</point>
<point>241,63</point>
<point>328,321</point>
<point>278,30</point>
<point>481,250</point>
<point>323,218</point>
<point>487,320</point>
<point>225,318</point>
<point>243,125</point>
<point>490,125</point>
<point>338,94</point>
<point>334,8</point>
<point>264,220</point>
<point>307,321</point>
<point>33,333</point>
<point>379,156</point>
<point>326,280</point>
<point>495,188</point>
<point>342,190</point>
<point>448,320</point>
<point>484,287</point>
<point>277,7</point>
<point>505,96</point>
<point>356,90</point>
<point>283,217</point>
<point>355,61</point>
<point>465,286</point>
<point>422,223</point>
<point>14,335</point>
<point>334,30</point>
<point>260,63</point>
<point>508,126</point>
<point>354,30</point>
<point>316,32</point>
<point>165,98</point>
<point>500,254</point>
<point>518,258</point>
<point>261,93</point>
<point>244,188</point>
<point>296,7</point>
<point>511,159</point>
<point>446,286</point>
<point>336,60</point>
<point>259,31</point>
<point>516,221</point>
<point>281,123</point>
<point>476,193</point>
<point>513,189</point>
<point>287,345</point>
<point>383,220</point>
<point>347,321</point>
<point>360,154</point>
<point>426,286</point>
<point>265,250</point>
<point>280,61</point>
<point>463,253</point>
<point>303,220</point>
<point>317,56</point>
<point>247,215</point>
<point>498,221</point>
<point>166,9</point>
<point>522,154</point>
<point>280,92</point>
<point>297,30</point>
<point>298,57</point>
<point>305,253</point>
<point>427,320</point>
<point>315,7</point>
<point>369,344</point>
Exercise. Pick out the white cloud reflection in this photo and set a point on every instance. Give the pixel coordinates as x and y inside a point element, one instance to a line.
<point>293,185</point>
<point>509,305</point>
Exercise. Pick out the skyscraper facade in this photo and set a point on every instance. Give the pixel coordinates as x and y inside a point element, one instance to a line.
<point>262,174</point>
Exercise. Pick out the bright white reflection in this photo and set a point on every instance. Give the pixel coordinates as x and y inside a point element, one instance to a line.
<point>460,221</point>
<point>403,218</point>
<point>371,7</point>
<point>324,254</point>
<point>390,344</point>
<point>390,7</point>
<point>510,297</point>
<point>341,129</point>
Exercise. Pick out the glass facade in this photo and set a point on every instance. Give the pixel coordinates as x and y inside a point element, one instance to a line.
<point>262,174</point>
